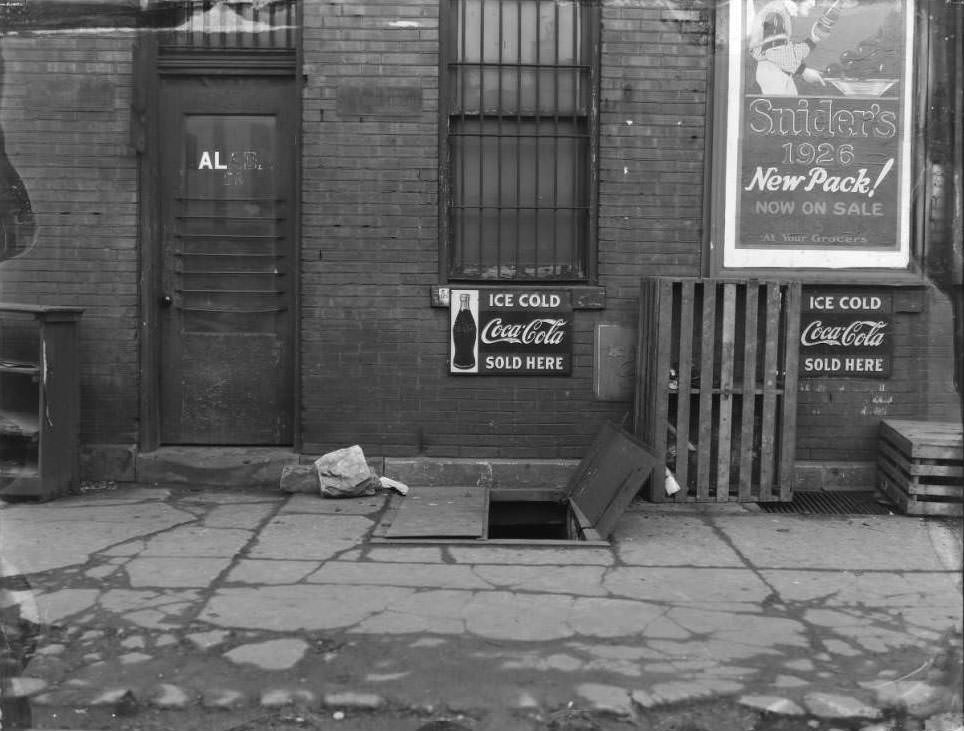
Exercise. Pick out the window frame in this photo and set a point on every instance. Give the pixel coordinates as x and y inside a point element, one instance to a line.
<point>448,20</point>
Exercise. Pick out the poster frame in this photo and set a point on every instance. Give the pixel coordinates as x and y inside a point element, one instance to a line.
<point>812,264</point>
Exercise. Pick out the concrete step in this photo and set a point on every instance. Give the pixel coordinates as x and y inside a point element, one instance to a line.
<point>215,466</point>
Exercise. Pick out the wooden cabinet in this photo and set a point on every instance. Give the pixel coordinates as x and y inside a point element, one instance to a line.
<point>716,387</point>
<point>39,401</point>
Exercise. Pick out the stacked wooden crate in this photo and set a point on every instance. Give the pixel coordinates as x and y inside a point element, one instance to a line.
<point>920,466</point>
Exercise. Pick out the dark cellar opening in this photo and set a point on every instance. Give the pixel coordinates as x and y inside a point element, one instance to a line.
<point>539,520</point>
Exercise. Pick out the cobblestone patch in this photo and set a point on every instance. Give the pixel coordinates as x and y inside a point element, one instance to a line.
<point>772,704</point>
<point>280,697</point>
<point>24,687</point>
<point>223,698</point>
<point>346,700</point>
<point>831,705</point>
<point>271,655</point>
<point>168,695</point>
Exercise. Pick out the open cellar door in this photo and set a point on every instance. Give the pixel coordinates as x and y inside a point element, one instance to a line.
<point>584,513</point>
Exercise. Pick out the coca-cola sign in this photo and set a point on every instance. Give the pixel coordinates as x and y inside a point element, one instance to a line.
<point>845,334</point>
<point>540,331</point>
<point>510,332</point>
<point>853,334</point>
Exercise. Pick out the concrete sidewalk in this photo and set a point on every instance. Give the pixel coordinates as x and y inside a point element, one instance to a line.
<point>184,601</point>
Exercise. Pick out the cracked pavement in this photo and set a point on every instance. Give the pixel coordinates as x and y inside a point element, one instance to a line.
<point>187,600</point>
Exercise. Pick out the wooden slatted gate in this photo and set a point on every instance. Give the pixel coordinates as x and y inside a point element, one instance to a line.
<point>716,387</point>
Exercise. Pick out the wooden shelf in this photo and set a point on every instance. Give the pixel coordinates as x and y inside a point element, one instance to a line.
<point>19,423</point>
<point>21,481</point>
<point>50,313</point>
<point>39,417</point>
<point>19,472</point>
<point>31,371</point>
<point>26,369</point>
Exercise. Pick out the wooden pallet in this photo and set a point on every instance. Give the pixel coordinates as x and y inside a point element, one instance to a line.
<point>716,387</point>
<point>921,466</point>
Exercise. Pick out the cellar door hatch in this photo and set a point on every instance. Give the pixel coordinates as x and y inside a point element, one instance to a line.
<point>583,513</point>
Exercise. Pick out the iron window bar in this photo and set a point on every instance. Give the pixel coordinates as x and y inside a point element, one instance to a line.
<point>217,216</point>
<point>239,237</point>
<point>229,272</point>
<point>490,65</point>
<point>230,200</point>
<point>233,255</point>
<point>467,207</point>
<point>260,255</point>
<point>233,311</point>
<point>521,136</point>
<point>270,293</point>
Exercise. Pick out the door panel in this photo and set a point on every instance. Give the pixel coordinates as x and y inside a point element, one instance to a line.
<point>227,159</point>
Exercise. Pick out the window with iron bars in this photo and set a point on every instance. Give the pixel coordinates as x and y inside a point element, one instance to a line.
<point>520,186</point>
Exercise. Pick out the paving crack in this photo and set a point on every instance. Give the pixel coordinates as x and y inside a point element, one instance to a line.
<point>242,553</point>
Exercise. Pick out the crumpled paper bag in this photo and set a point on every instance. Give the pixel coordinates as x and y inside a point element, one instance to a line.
<point>345,473</point>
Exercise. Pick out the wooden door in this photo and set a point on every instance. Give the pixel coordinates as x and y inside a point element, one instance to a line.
<point>226,276</point>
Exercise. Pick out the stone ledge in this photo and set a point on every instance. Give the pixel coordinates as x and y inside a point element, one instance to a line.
<point>219,466</point>
<point>108,462</point>
<point>260,466</point>
<point>508,473</point>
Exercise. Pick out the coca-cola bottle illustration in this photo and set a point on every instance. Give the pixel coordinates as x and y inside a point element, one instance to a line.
<point>463,335</point>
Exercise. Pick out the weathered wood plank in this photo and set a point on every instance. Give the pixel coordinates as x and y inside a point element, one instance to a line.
<point>707,347</point>
<point>664,309</point>
<point>643,411</point>
<point>684,373</point>
<point>909,505</point>
<point>936,468</point>
<point>788,432</point>
<point>748,404</point>
<point>724,441</point>
<point>925,440</point>
<point>770,372</point>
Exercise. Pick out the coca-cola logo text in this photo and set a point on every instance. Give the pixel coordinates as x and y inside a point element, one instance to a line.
<point>540,331</point>
<point>857,334</point>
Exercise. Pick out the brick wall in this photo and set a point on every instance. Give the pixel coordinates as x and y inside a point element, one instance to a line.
<point>655,72</point>
<point>375,354</point>
<point>64,115</point>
